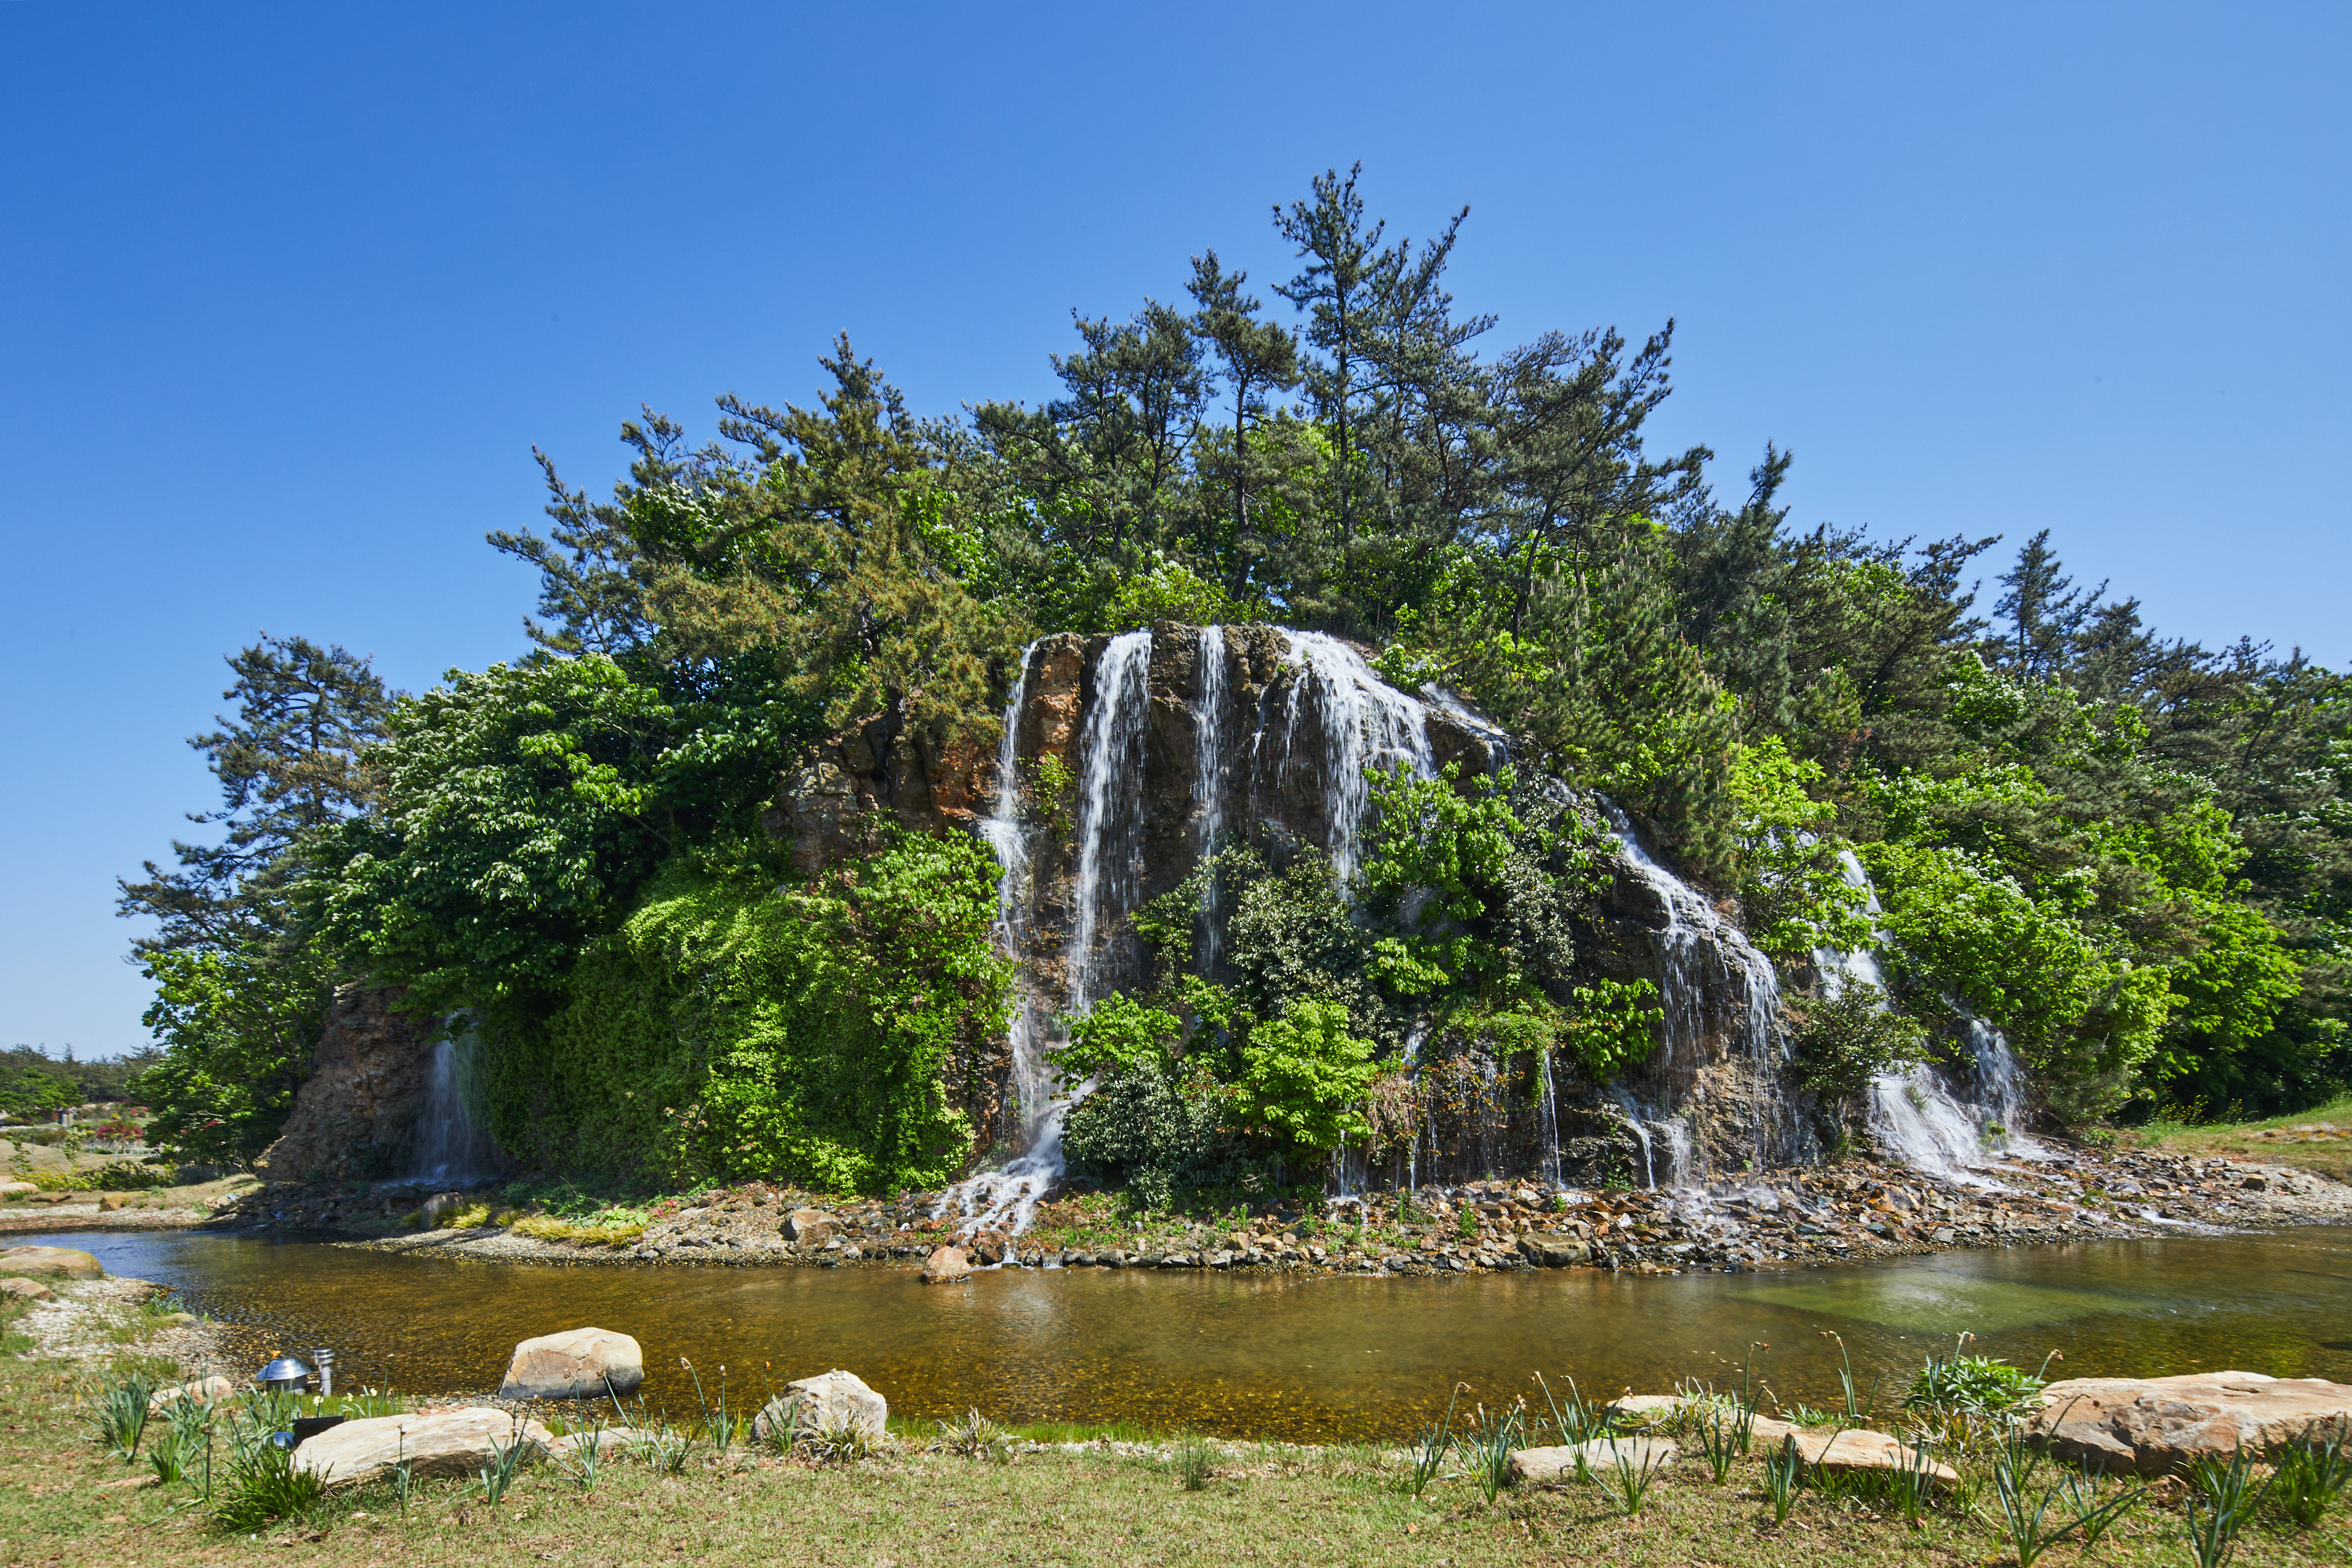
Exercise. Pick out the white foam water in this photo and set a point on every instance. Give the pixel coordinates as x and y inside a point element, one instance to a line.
<point>1208,774</point>
<point>450,1146</point>
<point>996,1198</point>
<point>1109,798</point>
<point>1366,723</point>
<point>1913,1113</point>
<point>1694,937</point>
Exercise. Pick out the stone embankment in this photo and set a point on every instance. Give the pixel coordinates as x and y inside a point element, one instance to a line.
<point>1783,1219</point>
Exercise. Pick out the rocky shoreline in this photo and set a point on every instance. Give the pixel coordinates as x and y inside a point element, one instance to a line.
<point>1786,1219</point>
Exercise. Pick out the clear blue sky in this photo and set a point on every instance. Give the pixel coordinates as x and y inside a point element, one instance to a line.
<point>291,291</point>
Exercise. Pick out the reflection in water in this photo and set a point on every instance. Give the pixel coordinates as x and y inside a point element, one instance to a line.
<point>1292,1356</point>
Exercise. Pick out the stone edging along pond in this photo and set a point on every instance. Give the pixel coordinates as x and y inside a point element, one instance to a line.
<point>1784,1219</point>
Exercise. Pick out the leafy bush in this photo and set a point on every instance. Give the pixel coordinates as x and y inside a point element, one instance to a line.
<point>1843,1041</point>
<point>732,1028</point>
<point>119,1176</point>
<point>1304,1076</point>
<point>2083,1017</point>
<point>1972,1382</point>
<point>1155,1129</point>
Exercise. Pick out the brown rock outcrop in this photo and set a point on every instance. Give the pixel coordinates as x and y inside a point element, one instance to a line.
<point>355,1115</point>
<point>2159,1425</point>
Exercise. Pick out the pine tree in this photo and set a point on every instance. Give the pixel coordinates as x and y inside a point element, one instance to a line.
<point>291,763</point>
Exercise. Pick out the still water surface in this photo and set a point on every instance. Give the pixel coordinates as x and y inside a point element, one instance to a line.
<point>1304,1358</point>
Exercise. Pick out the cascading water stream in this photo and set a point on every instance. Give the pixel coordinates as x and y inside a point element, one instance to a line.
<point>1007,1199</point>
<point>1695,935</point>
<point>1110,801</point>
<point>450,1146</point>
<point>1913,1112</point>
<point>1549,1127</point>
<point>1208,775</point>
<point>1367,724</point>
<point>994,1196</point>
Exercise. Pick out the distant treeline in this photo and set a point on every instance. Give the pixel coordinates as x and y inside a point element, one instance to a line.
<point>34,1083</point>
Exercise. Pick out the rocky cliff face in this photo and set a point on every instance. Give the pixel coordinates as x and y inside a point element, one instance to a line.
<point>356,1114</point>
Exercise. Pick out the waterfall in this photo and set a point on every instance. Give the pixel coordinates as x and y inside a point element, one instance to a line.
<point>1208,775</point>
<point>1695,940</point>
<point>2000,1090</point>
<point>1110,800</point>
<point>1913,1112</point>
<point>1033,1080</point>
<point>1548,1128</point>
<point>450,1147</point>
<point>1367,724</point>
<point>996,1198</point>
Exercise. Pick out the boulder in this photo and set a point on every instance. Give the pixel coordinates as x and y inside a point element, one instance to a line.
<point>831,1402</point>
<point>1860,1450</point>
<point>49,1263</point>
<point>2160,1425</point>
<point>808,1227</point>
<point>1549,1251</point>
<point>578,1363</point>
<point>946,1266</point>
<point>211,1390</point>
<point>989,1246</point>
<point>1600,1457</point>
<point>25,1290</point>
<point>457,1443</point>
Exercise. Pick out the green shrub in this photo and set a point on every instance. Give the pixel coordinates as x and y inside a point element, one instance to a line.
<point>1155,1129</point>
<point>736,1029</point>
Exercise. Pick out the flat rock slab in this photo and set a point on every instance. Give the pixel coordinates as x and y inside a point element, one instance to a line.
<point>49,1263</point>
<point>2158,1426</point>
<point>1859,1450</point>
<point>1600,1457</point>
<point>458,1443</point>
<point>578,1363</point>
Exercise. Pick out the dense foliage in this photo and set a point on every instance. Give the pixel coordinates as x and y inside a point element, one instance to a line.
<point>733,1028</point>
<point>2134,855</point>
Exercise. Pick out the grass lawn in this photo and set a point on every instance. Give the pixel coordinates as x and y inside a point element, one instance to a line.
<point>2275,1141</point>
<point>62,1500</point>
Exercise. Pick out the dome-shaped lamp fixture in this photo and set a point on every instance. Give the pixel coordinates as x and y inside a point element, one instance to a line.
<point>284,1375</point>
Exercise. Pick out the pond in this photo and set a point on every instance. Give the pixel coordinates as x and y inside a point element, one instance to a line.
<point>1307,1358</point>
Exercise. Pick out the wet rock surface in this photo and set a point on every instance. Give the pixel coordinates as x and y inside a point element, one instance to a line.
<point>356,1114</point>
